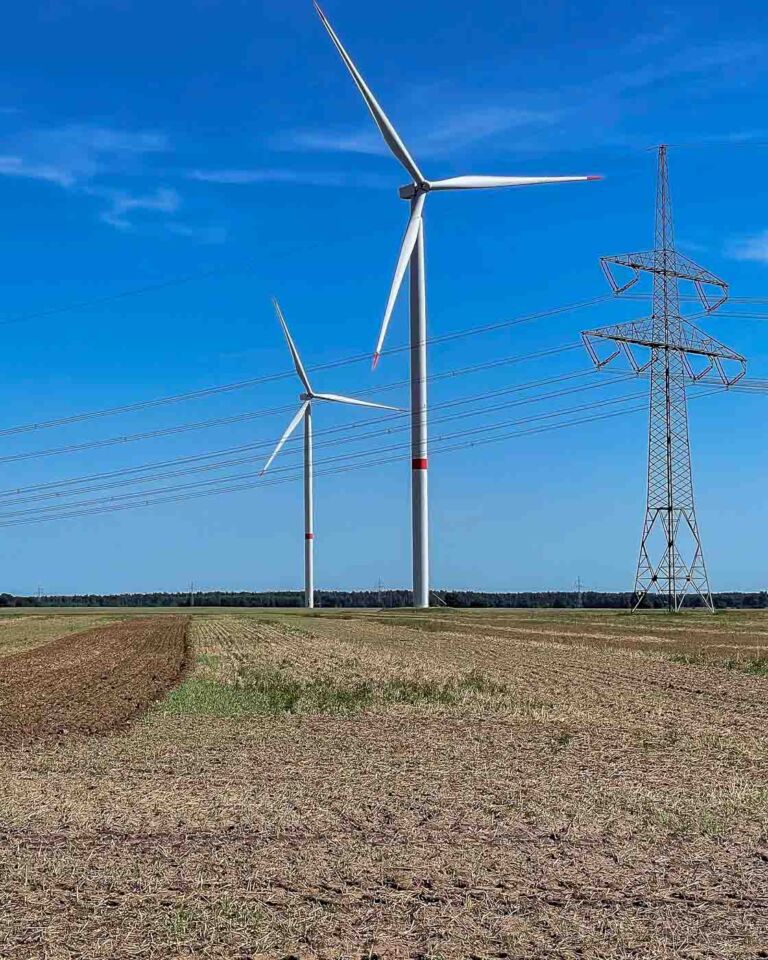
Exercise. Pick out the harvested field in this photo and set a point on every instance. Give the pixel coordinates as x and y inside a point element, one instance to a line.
<point>25,631</point>
<point>442,785</point>
<point>90,682</point>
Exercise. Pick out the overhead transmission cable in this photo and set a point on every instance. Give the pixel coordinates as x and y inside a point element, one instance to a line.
<point>251,483</point>
<point>142,474</point>
<point>258,414</point>
<point>340,458</point>
<point>255,450</point>
<point>273,377</point>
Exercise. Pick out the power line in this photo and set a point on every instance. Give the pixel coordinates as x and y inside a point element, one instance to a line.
<point>250,484</point>
<point>120,295</point>
<point>746,386</point>
<point>129,475</point>
<point>239,418</point>
<point>264,443</point>
<point>292,472</point>
<point>257,449</point>
<point>271,378</point>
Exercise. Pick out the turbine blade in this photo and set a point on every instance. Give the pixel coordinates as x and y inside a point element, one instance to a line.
<point>299,366</point>
<point>391,137</point>
<point>353,400</point>
<point>289,430</point>
<point>484,183</point>
<point>406,249</point>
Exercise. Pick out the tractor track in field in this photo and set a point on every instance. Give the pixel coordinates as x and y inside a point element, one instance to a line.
<point>96,681</point>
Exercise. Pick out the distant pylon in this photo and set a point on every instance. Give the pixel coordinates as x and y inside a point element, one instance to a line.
<point>671,558</point>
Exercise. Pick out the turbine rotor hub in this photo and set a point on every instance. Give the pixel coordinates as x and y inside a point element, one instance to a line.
<point>411,190</point>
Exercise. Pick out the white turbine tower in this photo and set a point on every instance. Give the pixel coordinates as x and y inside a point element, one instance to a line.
<point>305,413</point>
<point>412,253</point>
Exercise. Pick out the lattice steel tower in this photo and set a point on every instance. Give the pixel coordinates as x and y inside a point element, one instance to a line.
<point>671,558</point>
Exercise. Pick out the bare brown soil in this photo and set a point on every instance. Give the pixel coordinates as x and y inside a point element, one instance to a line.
<point>594,801</point>
<point>24,631</point>
<point>90,682</point>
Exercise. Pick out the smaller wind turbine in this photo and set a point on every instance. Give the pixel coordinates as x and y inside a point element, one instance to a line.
<point>305,413</point>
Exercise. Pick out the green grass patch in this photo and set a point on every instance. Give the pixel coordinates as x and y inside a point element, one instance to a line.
<point>757,667</point>
<point>208,660</point>
<point>191,921</point>
<point>273,692</point>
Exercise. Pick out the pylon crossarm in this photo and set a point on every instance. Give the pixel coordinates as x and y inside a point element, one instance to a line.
<point>687,340</point>
<point>637,367</point>
<point>618,288</point>
<point>730,381</point>
<point>695,377</point>
<point>667,262</point>
<point>599,364</point>
<point>711,305</point>
<point>640,336</point>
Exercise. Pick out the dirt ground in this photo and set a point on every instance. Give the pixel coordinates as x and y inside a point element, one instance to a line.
<point>90,682</point>
<point>448,785</point>
<point>23,631</point>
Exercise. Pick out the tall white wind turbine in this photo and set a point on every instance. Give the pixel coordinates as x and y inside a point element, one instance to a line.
<point>412,254</point>
<point>305,413</point>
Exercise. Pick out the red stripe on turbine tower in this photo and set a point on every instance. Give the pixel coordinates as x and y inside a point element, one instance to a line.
<point>309,536</point>
<point>419,463</point>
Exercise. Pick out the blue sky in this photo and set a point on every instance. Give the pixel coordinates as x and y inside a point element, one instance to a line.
<point>223,142</point>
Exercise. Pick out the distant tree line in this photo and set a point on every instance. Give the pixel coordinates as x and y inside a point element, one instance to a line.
<point>375,598</point>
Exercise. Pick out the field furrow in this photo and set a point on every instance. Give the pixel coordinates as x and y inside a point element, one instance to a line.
<point>92,681</point>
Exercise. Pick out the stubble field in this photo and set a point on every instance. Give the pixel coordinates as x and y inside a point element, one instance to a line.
<point>449,784</point>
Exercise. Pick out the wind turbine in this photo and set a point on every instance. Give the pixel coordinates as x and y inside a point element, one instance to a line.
<point>412,254</point>
<point>305,413</point>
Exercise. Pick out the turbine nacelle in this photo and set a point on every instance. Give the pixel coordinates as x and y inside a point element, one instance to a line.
<point>310,395</point>
<point>410,190</point>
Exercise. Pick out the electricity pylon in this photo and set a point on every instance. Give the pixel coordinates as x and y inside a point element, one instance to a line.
<point>671,558</point>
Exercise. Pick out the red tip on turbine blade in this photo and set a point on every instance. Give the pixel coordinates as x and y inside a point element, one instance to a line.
<point>375,361</point>
<point>598,176</point>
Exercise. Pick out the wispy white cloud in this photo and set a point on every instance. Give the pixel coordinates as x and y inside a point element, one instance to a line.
<point>361,140</point>
<point>572,116</point>
<point>88,159</point>
<point>204,234</point>
<point>692,61</point>
<point>459,128</point>
<point>470,125</point>
<point>691,246</point>
<point>754,248</point>
<point>14,166</point>
<point>76,153</point>
<point>120,203</point>
<point>266,175</point>
<point>122,206</point>
<point>312,178</point>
